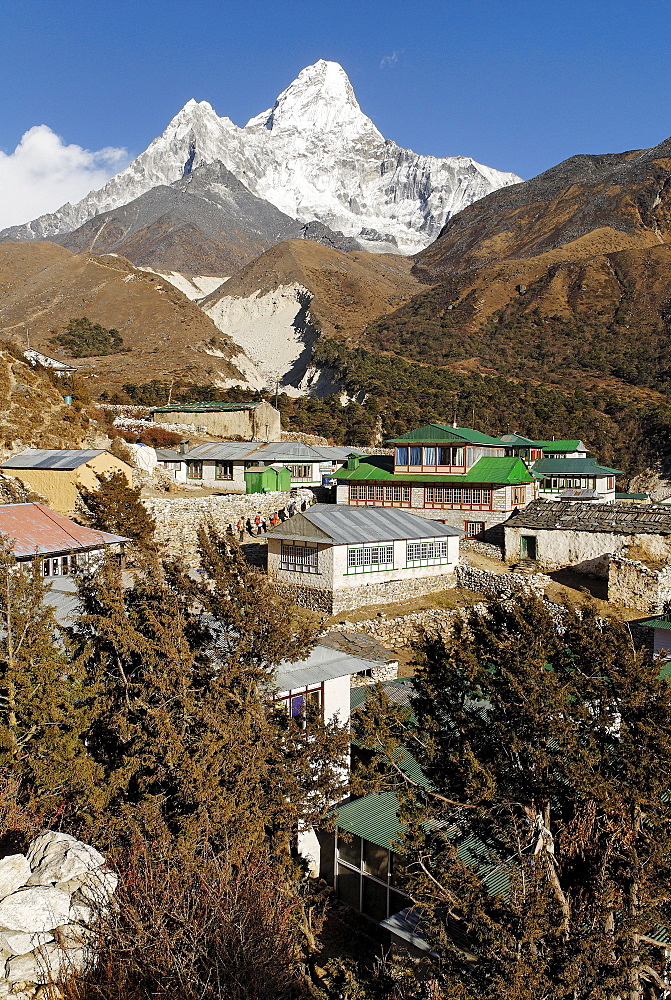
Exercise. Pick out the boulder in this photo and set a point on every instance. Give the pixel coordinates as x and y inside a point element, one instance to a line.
<point>40,908</point>
<point>61,860</point>
<point>14,872</point>
<point>20,943</point>
<point>94,887</point>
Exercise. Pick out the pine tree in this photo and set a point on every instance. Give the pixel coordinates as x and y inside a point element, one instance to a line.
<point>540,853</point>
<point>46,701</point>
<point>116,507</point>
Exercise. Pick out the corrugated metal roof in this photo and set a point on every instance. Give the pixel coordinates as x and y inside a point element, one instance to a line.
<point>205,407</point>
<point>443,432</point>
<point>41,458</point>
<point>168,455</point>
<point>359,644</point>
<point>614,518</point>
<point>36,529</point>
<point>572,467</point>
<point>221,451</point>
<point>561,445</point>
<point>495,470</point>
<point>288,451</point>
<point>661,622</point>
<point>323,664</point>
<point>373,817</point>
<point>399,692</point>
<point>345,525</point>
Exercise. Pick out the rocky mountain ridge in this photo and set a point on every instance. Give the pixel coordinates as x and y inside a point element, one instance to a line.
<point>314,156</point>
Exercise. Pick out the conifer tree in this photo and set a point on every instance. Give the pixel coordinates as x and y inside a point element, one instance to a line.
<point>46,701</point>
<point>540,852</point>
<point>116,507</point>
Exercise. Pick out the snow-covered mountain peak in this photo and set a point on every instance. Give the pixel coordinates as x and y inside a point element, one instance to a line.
<point>314,155</point>
<point>320,100</point>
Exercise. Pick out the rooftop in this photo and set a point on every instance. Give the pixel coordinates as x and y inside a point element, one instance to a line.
<point>35,529</point>
<point>341,524</point>
<point>221,451</point>
<point>497,470</point>
<point>572,467</point>
<point>205,407</point>
<point>443,432</point>
<point>40,458</point>
<point>324,663</point>
<point>620,518</point>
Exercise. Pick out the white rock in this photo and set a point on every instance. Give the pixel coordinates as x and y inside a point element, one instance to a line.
<point>19,943</point>
<point>80,914</point>
<point>62,861</point>
<point>41,845</point>
<point>94,887</point>
<point>74,936</point>
<point>14,871</point>
<point>37,909</point>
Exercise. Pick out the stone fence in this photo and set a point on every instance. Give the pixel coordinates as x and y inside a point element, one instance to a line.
<point>503,585</point>
<point>178,519</point>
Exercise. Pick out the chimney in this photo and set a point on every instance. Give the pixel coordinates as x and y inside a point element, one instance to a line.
<point>352,461</point>
<point>183,447</point>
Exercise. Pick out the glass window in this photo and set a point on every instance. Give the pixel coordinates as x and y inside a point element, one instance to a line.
<point>397,902</point>
<point>194,470</point>
<point>223,470</point>
<point>65,566</point>
<point>46,567</point>
<point>349,850</point>
<point>429,456</point>
<point>360,558</point>
<point>297,709</point>
<point>415,456</point>
<point>374,899</point>
<point>299,558</point>
<point>313,704</point>
<point>376,860</point>
<point>401,456</point>
<point>349,883</point>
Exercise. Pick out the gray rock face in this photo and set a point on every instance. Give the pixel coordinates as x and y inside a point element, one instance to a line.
<point>49,902</point>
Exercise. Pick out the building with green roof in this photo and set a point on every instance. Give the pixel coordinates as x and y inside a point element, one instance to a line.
<point>254,420</point>
<point>456,475</point>
<point>556,475</point>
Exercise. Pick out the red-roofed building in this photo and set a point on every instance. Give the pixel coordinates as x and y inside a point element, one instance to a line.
<point>34,531</point>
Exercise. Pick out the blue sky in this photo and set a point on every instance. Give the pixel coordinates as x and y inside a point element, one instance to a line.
<point>517,84</point>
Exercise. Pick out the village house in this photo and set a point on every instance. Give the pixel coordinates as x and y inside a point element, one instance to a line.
<point>331,558</point>
<point>584,536</point>
<point>59,475</point>
<point>257,419</point>
<point>35,358</point>
<point>558,475</point>
<point>531,451</point>
<point>454,475</point>
<point>225,462</point>
<point>661,636</point>
<point>173,462</point>
<point>61,546</point>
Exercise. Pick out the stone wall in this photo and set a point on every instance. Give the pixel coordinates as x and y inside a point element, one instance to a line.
<point>178,519</point>
<point>634,585</point>
<point>500,584</point>
<point>50,899</point>
<point>349,598</point>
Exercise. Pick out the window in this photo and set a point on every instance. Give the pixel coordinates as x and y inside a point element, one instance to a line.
<point>376,859</point>
<point>401,456</point>
<point>474,528</point>
<point>302,706</point>
<point>451,456</point>
<point>519,494</point>
<point>223,470</point>
<point>415,456</point>
<point>369,558</point>
<point>429,456</point>
<point>611,482</point>
<point>457,496</point>
<point>427,552</point>
<point>368,492</point>
<point>194,470</point>
<point>350,850</point>
<point>299,558</point>
<point>300,471</point>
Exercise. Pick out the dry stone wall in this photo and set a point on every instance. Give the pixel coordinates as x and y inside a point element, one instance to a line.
<point>178,519</point>
<point>50,899</point>
<point>634,585</point>
<point>332,602</point>
<point>502,585</point>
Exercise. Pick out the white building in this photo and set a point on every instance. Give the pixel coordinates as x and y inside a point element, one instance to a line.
<point>221,463</point>
<point>332,558</point>
<point>173,462</point>
<point>559,475</point>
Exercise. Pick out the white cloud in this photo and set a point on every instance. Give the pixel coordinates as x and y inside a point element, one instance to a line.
<point>43,173</point>
<point>390,61</point>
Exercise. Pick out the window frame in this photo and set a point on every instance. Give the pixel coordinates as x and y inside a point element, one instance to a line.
<point>424,558</point>
<point>304,564</point>
<point>353,568</point>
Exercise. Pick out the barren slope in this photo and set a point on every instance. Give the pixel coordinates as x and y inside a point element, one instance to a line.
<point>43,286</point>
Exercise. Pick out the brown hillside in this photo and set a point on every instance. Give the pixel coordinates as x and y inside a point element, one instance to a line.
<point>349,289</point>
<point>43,286</point>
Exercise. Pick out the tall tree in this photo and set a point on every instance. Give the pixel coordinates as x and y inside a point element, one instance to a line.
<point>116,507</point>
<point>540,850</point>
<point>46,700</point>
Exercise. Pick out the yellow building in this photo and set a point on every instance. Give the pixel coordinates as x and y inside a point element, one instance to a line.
<point>58,476</point>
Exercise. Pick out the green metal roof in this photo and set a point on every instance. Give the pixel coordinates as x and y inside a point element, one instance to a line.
<point>204,407</point>
<point>497,471</point>
<point>661,622</point>
<point>373,817</point>
<point>573,467</point>
<point>560,445</point>
<point>443,432</point>
<point>631,496</point>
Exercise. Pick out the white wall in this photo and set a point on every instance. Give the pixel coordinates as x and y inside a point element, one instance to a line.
<point>336,700</point>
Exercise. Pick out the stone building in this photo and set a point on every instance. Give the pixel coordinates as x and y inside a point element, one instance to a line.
<point>584,536</point>
<point>333,558</point>
<point>454,475</point>
<point>59,475</point>
<point>256,419</point>
<point>225,462</point>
